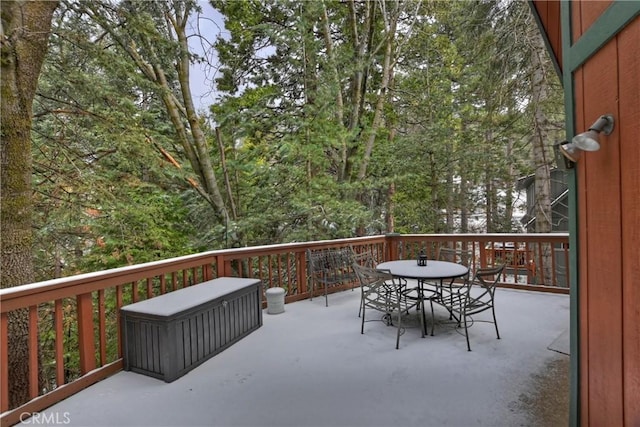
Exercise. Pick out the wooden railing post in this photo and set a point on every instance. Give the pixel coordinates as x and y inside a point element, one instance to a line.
<point>220,266</point>
<point>392,247</point>
<point>86,342</point>
<point>483,256</point>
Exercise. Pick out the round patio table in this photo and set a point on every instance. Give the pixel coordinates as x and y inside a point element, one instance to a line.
<point>434,270</point>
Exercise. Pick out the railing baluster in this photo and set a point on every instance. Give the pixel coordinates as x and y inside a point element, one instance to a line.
<point>102,328</point>
<point>566,265</point>
<point>4,362</point>
<point>134,291</point>
<point>241,272</point>
<point>540,263</point>
<point>163,284</point>
<point>208,272</point>
<point>302,272</point>
<point>268,272</point>
<point>33,352</point>
<point>554,263</point>
<point>59,345</point>
<point>289,271</point>
<point>118,306</point>
<point>259,267</point>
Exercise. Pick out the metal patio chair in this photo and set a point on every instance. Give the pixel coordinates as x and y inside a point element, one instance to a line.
<point>366,259</point>
<point>330,267</point>
<point>459,256</point>
<point>474,297</point>
<point>381,292</point>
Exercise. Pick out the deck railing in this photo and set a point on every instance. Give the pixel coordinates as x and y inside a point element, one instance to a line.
<point>72,324</point>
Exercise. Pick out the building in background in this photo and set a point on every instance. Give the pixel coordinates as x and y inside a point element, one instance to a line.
<point>559,202</point>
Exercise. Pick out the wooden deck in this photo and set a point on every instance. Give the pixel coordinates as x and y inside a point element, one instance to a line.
<point>310,366</point>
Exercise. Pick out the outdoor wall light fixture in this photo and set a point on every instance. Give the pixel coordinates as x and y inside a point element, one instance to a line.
<point>564,151</point>
<point>570,152</point>
<point>586,141</point>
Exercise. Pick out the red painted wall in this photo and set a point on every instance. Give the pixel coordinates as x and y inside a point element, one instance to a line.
<point>608,219</point>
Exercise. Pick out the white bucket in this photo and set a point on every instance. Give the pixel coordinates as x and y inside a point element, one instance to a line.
<point>275,300</point>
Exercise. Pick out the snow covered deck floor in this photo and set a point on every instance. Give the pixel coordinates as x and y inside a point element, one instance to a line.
<point>310,366</point>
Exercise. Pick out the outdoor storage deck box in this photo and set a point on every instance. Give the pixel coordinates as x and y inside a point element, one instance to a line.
<point>167,336</point>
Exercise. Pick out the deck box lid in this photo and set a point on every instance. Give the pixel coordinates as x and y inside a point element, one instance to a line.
<point>179,301</point>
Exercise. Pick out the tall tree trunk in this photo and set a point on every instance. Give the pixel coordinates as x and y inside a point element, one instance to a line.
<point>361,39</point>
<point>24,38</point>
<point>490,190</point>
<point>450,202</point>
<point>390,217</point>
<point>464,203</point>
<point>179,105</point>
<point>388,63</point>
<point>510,190</point>
<point>542,184</point>
<point>463,194</point>
<point>326,31</point>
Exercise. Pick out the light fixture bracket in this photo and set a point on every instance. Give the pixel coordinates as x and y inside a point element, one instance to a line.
<point>604,124</point>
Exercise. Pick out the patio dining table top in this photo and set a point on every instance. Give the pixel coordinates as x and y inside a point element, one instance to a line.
<point>409,269</point>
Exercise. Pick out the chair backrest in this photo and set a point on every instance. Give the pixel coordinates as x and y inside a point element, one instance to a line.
<point>365,258</point>
<point>330,266</point>
<point>460,256</point>
<point>489,276</point>
<point>368,276</point>
<point>374,283</point>
<point>377,289</point>
<point>487,279</point>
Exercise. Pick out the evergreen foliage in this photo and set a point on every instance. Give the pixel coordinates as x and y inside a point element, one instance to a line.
<point>334,119</point>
